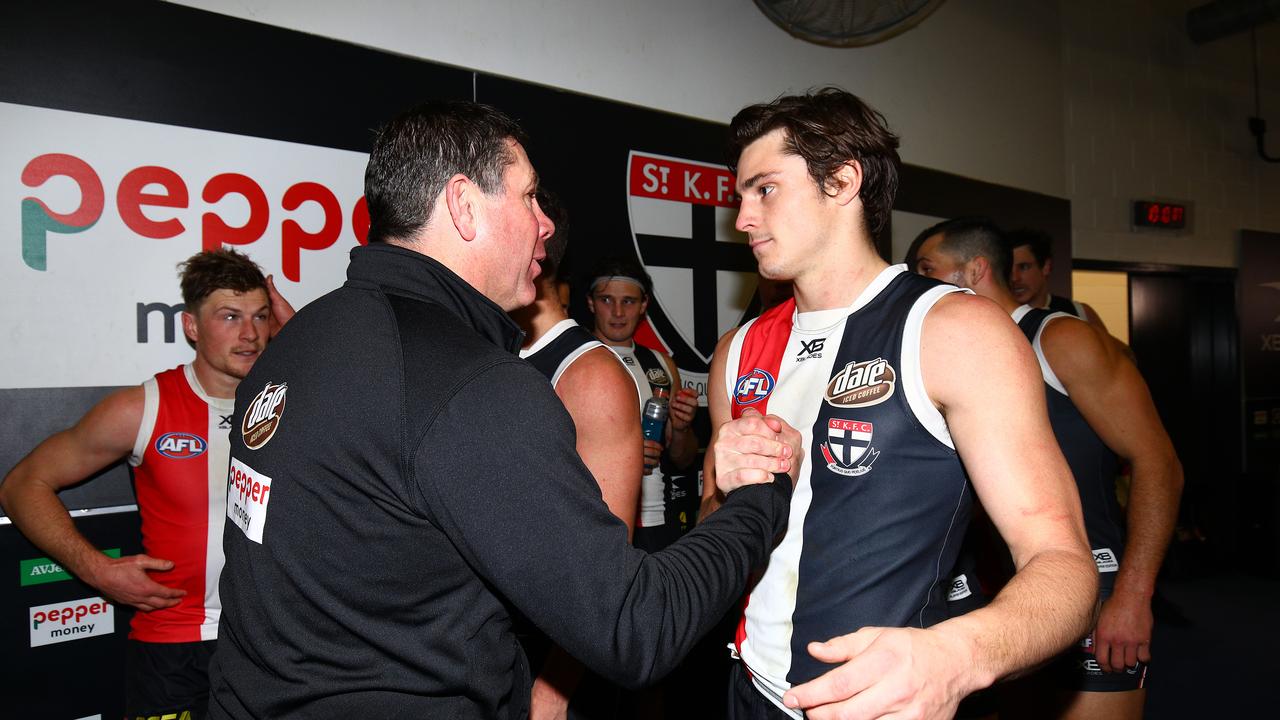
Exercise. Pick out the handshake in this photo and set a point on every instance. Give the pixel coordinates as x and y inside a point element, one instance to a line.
<point>752,448</point>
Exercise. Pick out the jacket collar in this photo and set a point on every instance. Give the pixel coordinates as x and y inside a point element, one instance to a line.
<point>401,271</point>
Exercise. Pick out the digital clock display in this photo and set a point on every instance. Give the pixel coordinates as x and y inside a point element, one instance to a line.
<point>1149,214</point>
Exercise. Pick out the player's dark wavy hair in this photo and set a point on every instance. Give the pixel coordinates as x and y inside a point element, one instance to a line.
<point>211,270</point>
<point>416,153</point>
<point>828,127</point>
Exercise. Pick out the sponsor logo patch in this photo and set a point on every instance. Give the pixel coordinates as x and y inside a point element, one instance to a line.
<point>248,494</point>
<point>38,571</point>
<point>181,446</point>
<point>848,448</point>
<point>263,416</point>
<point>959,589</point>
<point>72,620</point>
<point>657,376</point>
<point>753,387</point>
<point>1105,560</point>
<point>861,384</point>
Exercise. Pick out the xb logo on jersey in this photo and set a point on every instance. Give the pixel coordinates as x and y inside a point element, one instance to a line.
<point>753,387</point>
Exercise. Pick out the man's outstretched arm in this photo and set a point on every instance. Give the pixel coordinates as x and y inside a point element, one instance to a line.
<point>29,495</point>
<point>981,373</point>
<point>600,396</point>
<point>1111,396</point>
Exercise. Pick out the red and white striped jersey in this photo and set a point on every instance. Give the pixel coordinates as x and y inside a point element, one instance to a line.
<point>180,462</point>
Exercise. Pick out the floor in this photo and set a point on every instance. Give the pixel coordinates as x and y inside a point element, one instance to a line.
<point>1216,650</point>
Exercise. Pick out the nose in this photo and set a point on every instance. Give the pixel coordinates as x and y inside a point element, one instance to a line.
<point>249,330</point>
<point>616,310</point>
<point>546,228</point>
<point>746,220</point>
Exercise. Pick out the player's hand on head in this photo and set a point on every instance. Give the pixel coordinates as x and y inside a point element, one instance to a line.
<point>885,672</point>
<point>127,580</point>
<point>752,448</point>
<point>281,310</point>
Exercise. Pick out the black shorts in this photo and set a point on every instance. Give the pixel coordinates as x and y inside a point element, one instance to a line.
<point>746,702</point>
<point>655,538</point>
<point>1078,670</point>
<point>168,680</point>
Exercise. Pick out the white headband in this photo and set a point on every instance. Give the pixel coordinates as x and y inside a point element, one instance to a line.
<point>606,279</point>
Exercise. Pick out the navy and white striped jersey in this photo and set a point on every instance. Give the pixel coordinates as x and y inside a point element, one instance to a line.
<point>1092,463</point>
<point>882,501</point>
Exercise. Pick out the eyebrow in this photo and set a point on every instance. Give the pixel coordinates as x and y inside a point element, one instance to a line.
<point>755,179</point>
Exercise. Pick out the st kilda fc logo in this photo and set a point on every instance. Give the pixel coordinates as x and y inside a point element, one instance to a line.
<point>262,417</point>
<point>848,448</point>
<point>862,384</point>
<point>704,275</point>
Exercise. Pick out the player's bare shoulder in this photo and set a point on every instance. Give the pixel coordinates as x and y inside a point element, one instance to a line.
<point>599,377</point>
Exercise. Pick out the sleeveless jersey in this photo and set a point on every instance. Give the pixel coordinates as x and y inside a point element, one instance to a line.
<point>1057,303</point>
<point>881,502</point>
<point>1092,462</point>
<point>554,352</point>
<point>180,460</point>
<point>648,369</point>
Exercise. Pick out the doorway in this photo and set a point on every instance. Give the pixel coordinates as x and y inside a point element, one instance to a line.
<point>1181,324</point>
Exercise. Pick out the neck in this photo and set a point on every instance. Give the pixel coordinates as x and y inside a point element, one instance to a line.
<point>838,281</point>
<point>537,319</point>
<point>629,342</point>
<point>216,384</point>
<point>1041,300</point>
<point>1002,296</point>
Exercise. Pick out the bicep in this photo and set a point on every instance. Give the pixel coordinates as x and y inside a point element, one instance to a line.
<point>1107,389</point>
<point>105,435</point>
<point>600,397</point>
<point>981,371</point>
<point>718,410</point>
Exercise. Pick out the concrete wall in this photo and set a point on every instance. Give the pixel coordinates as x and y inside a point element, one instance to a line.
<point>1098,101</point>
<point>946,86</point>
<point>1151,115</point>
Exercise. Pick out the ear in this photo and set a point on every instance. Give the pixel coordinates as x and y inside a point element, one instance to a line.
<point>189,327</point>
<point>591,304</point>
<point>846,183</point>
<point>977,270</point>
<point>644,304</point>
<point>462,198</point>
<point>1048,266</point>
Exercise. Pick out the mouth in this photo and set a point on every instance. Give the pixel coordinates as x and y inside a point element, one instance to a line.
<point>755,242</point>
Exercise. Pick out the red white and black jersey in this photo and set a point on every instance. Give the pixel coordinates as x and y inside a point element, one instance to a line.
<point>180,462</point>
<point>881,502</point>
<point>555,351</point>
<point>1092,463</point>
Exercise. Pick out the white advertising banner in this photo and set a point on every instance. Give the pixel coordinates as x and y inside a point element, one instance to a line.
<point>96,212</point>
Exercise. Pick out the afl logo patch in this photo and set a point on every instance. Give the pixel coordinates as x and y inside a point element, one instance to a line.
<point>263,416</point>
<point>753,387</point>
<point>180,445</point>
<point>860,384</point>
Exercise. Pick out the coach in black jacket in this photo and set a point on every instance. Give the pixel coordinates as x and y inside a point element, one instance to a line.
<point>400,479</point>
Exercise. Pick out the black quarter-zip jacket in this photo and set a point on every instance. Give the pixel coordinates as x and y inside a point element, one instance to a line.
<point>422,483</point>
